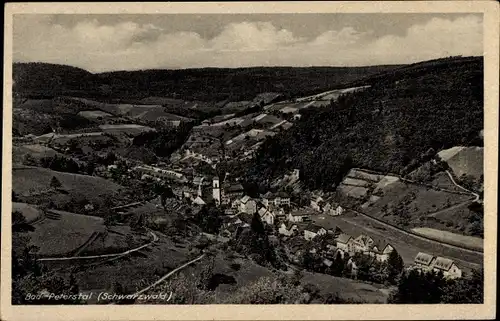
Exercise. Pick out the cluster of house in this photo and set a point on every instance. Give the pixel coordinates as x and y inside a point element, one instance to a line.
<point>328,207</point>
<point>426,262</point>
<point>342,242</point>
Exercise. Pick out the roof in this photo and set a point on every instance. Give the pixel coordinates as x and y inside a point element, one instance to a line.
<point>313,228</point>
<point>235,188</point>
<point>443,263</point>
<point>423,258</point>
<point>198,201</point>
<point>365,239</point>
<point>262,211</point>
<point>245,199</point>
<point>343,238</point>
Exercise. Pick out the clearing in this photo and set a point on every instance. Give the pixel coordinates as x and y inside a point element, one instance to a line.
<point>452,238</point>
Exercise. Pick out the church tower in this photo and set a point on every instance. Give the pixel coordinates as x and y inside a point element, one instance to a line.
<point>216,190</point>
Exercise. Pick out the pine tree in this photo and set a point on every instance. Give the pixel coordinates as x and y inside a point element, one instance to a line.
<point>54,182</point>
<point>395,266</point>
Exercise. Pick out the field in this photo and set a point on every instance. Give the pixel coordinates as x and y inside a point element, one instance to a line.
<point>346,289</point>
<point>35,151</point>
<point>130,129</point>
<point>33,184</point>
<point>94,114</point>
<point>406,245</point>
<point>468,161</point>
<point>453,238</point>
<point>388,197</point>
<point>30,212</point>
<point>64,232</point>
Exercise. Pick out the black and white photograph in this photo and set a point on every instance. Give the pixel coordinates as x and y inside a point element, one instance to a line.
<point>248,158</point>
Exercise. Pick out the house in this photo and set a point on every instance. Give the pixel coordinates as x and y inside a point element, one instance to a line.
<point>345,243</point>
<point>381,250</point>
<point>231,191</point>
<point>449,269</point>
<point>295,217</point>
<point>332,210</point>
<point>311,231</point>
<point>284,230</point>
<point>247,205</point>
<point>363,244</point>
<point>199,201</point>
<point>424,261</point>
<point>279,199</point>
<point>352,266</point>
<point>266,216</point>
<point>316,203</point>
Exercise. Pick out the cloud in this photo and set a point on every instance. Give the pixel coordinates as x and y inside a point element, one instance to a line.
<point>129,45</point>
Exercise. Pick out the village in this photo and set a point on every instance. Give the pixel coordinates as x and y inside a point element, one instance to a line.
<point>293,224</point>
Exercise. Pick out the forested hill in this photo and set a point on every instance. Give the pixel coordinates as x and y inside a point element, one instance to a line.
<point>389,127</point>
<point>207,84</point>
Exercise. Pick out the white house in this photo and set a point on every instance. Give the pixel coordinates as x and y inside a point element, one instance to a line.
<point>448,267</point>
<point>284,230</point>
<point>316,203</point>
<point>345,243</point>
<point>295,217</point>
<point>381,251</point>
<point>311,231</point>
<point>266,216</point>
<point>279,199</point>
<point>363,244</point>
<point>247,205</point>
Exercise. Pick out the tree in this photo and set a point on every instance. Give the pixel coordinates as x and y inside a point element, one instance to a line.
<point>469,289</point>
<point>419,287</point>
<point>55,183</point>
<point>395,266</point>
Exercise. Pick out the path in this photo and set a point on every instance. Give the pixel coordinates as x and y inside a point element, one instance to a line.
<point>155,238</point>
<point>163,278</point>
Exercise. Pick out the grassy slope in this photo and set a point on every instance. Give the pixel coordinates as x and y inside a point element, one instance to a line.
<point>33,185</point>
<point>61,237</point>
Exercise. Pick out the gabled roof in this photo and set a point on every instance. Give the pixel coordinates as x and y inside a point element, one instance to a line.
<point>235,188</point>
<point>245,199</point>
<point>423,258</point>
<point>313,228</point>
<point>443,263</point>
<point>343,238</point>
<point>262,211</point>
<point>364,239</point>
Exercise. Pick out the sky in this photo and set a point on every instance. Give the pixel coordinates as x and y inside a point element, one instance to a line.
<point>108,42</point>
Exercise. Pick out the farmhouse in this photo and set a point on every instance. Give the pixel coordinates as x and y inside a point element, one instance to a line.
<point>424,261</point>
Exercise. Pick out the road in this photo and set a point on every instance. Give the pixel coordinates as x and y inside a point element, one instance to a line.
<point>393,227</point>
<point>155,239</point>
